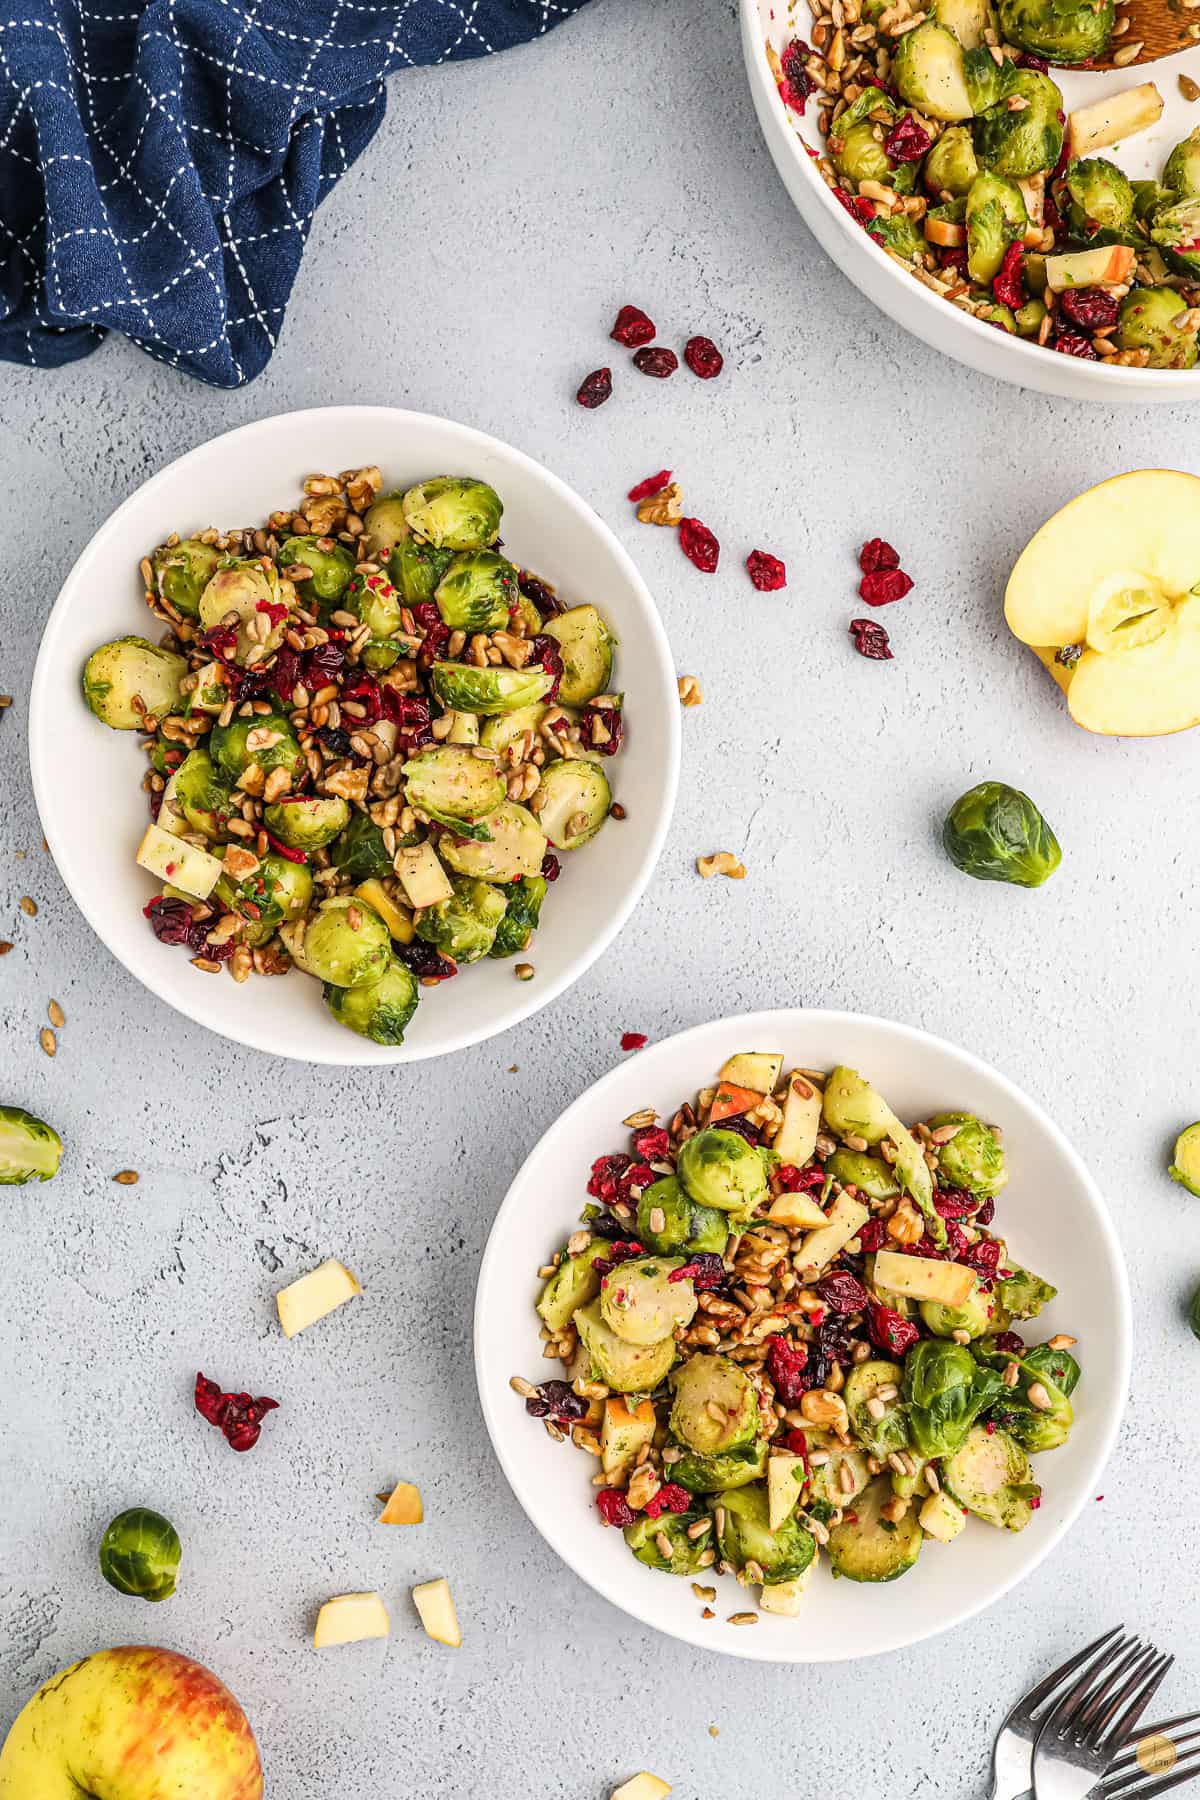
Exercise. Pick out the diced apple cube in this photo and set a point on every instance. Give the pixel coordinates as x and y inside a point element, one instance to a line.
<point>757,1069</point>
<point>797,1136</point>
<point>786,1597</point>
<point>642,1787</point>
<point>729,1100</point>
<point>192,870</point>
<point>921,1278</point>
<point>349,1619</point>
<point>800,1211</point>
<point>398,922</point>
<point>624,1431</point>
<point>1090,128</point>
<point>846,1218</point>
<point>942,1518</point>
<point>785,1477</point>
<point>436,1607</point>
<point>422,876</point>
<point>404,1506</point>
<point>1110,265</point>
<point>305,1301</point>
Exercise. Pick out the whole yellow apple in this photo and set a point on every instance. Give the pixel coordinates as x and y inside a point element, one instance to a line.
<point>132,1723</point>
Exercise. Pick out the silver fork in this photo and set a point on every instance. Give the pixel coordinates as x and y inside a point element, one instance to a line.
<point>1012,1753</point>
<point>1089,1726</point>
<point>1127,1780</point>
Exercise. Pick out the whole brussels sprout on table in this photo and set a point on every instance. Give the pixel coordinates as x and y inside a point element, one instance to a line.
<point>366,754</point>
<point>140,1554</point>
<point>996,833</point>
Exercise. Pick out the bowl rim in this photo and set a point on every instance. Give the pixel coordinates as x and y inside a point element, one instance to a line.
<point>528,998</point>
<point>763,1023</point>
<point>993,347</point>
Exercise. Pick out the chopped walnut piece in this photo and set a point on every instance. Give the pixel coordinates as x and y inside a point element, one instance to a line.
<point>723,862</point>
<point>690,691</point>
<point>665,508</point>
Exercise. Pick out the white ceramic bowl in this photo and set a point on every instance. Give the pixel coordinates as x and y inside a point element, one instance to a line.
<point>87,778</point>
<point>1051,1213</point>
<point>917,308</point>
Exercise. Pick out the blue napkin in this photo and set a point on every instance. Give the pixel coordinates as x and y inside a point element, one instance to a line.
<point>161,160</point>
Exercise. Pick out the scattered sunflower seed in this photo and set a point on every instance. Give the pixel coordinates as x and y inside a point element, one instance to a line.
<point>47,1040</point>
<point>126,1177</point>
<point>55,1013</point>
<point>29,906</point>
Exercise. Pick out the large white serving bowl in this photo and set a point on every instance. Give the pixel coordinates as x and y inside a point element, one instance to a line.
<point>1051,1213</point>
<point>87,779</point>
<point>917,308</point>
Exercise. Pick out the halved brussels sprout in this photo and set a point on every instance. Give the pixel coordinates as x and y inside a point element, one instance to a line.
<point>974,1316</point>
<point>991,312</point>
<point>839,1480</point>
<point>1185,1163</point>
<point>1176,230</point>
<point>1044,1363</point>
<point>969,20</point>
<point>331,568</point>
<point>988,81</point>
<point>716,1404</point>
<point>30,1150</point>
<point>279,890</point>
<point>1063,31</point>
<point>380,1009</point>
<point>868,1547</point>
<point>374,602</point>
<point>309,821</point>
<point>203,795</point>
<point>747,1537</point>
<point>183,571</point>
<point>464,927</point>
<point>626,1368</point>
<point>454,512</point>
<point>873,105</point>
<point>246,588</point>
<point>1026,142</point>
<point>889,1431</point>
<point>1021,1295</point>
<point>140,1554</point>
<point>898,234</point>
<point>1046,1425</point>
<point>462,687</point>
<point>1147,321</point>
<point>951,166</point>
<point>127,669</point>
<point>501,729</point>
<point>574,802</point>
<point>346,944</point>
<point>573,1284</point>
<point>642,1304</point>
<point>515,847</point>
<point>720,1169</point>
<point>1182,171</point>
<point>586,644</point>
<point>945,1390</point>
<point>646,1537</point>
<point>682,1225</point>
<point>359,850</point>
<point>524,904</point>
<point>275,745</point>
<point>996,833</point>
<point>385,526</point>
<point>869,1174</point>
<point>477,592</point>
<point>1101,197</point>
<point>990,1475</point>
<point>1028,318</point>
<point>728,1469</point>
<point>862,157</point>
<point>416,569</point>
<point>453,786</point>
<point>996,217</point>
<point>927,69</point>
<point>973,1159</point>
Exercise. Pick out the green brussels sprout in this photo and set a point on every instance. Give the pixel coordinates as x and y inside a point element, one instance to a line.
<point>969,20</point>
<point>1148,196</point>
<point>927,69</point>
<point>454,512</point>
<point>898,234</point>
<point>889,1432</point>
<point>1194,1314</point>
<point>1182,171</point>
<point>646,1537</point>
<point>988,82</point>
<point>973,1159</point>
<point>1029,141</point>
<point>990,1475</point>
<point>384,525</point>
<point>203,795</point>
<point>574,1283</point>
<point>1058,1366</point>
<point>869,1174</point>
<point>344,953</point>
<point>575,802</point>
<point>873,106</point>
<point>183,571</point>
<point>626,1368</point>
<point>277,891</point>
<point>946,1390</point>
<point>728,1469</point>
<point>1176,230</point>
<point>359,850</point>
<point>455,788</point>
<point>380,653</point>
<point>374,602</point>
<point>746,1536</point>
<point>520,916</point>
<point>1034,271</point>
<point>246,588</point>
<point>515,846</point>
<point>1063,31</point>
<point>1147,321</point>
<point>646,1299</point>
<point>462,687</point>
<point>309,821</point>
<point>380,1009</point>
<point>275,745</point>
<point>974,1316</point>
<point>681,1224</point>
<point>1185,1163</point>
<point>129,669</point>
<point>862,157</point>
<point>140,1553</point>
<point>30,1150</point>
<point>951,166</point>
<point>331,569</point>
<point>1101,197</point>
<point>477,592</point>
<point>586,643</point>
<point>1041,1427</point>
<point>720,1169</point>
<point>464,927</point>
<point>991,312</point>
<point>715,1408</point>
<point>996,833</point>
<point>1028,318</point>
<point>416,569</point>
<point>866,1546</point>
<point>838,1481</point>
<point>1021,1295</point>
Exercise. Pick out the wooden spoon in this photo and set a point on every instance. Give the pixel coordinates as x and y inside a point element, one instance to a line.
<point>1151,29</point>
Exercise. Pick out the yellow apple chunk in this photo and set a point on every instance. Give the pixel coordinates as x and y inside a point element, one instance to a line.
<point>785,1477</point>
<point>314,1295</point>
<point>192,870</point>
<point>800,1211</point>
<point>404,1506</point>
<point>797,1136</point>
<point>1109,580</point>
<point>786,1597</point>
<point>435,1604</point>
<point>846,1217</point>
<point>756,1069</point>
<point>350,1619</point>
<point>642,1787</point>
<point>920,1278</point>
<point>1090,128</point>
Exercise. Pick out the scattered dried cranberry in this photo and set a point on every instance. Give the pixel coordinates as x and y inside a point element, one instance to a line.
<point>1069,343</point>
<point>322,665</point>
<point>1027,60</point>
<point>800,1181</point>
<point>633,327</point>
<point>614,1507</point>
<point>859,209</point>
<point>410,716</point>
<point>954,257</point>
<point>953,1203</point>
<point>551,867</point>
<point>601,728</point>
<point>275,610</point>
<point>556,1400</point>
<point>238,1416</point>
<point>543,597</point>
<point>424,960</point>
<point>548,653</point>
<point>876,555</point>
<point>363,691</point>
<point>703,358</point>
<point>595,388</point>
<point>659,362</point>
<point>1091,308</point>
<point>842,1293</point>
<point>766,571</point>
<point>796,84</point>
<point>1008,287</point>
<point>633,1040</point>
<point>986,1213</point>
<point>907,141</point>
<point>699,545</point>
<point>1009,1342</point>
<point>284,674</point>
<point>983,1257</point>
<point>742,1126</point>
<point>172,923</point>
<point>704,1270</point>
<point>606,1173</point>
<point>797,1443</point>
<point>653,484</point>
<point>669,1498</point>
<point>884,586</point>
<point>872,1235</point>
<point>889,1331</point>
<point>335,740</point>
<point>652,1143</point>
<point>621,1250</point>
<point>785,1366</point>
<point>870,640</point>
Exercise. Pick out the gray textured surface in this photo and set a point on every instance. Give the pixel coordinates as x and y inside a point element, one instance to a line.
<point>618,160</point>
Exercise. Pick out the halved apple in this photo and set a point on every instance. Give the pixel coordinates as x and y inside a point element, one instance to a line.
<point>1107,595</point>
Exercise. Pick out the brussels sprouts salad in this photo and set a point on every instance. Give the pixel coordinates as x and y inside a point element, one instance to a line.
<point>370,736</point>
<point>947,139</point>
<point>788,1327</point>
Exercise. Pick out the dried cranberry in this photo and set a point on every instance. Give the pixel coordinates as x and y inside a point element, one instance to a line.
<point>907,141</point>
<point>275,610</point>
<point>842,1293</point>
<point>209,1399</point>
<point>953,1203</point>
<point>669,1498</point>
<point>658,362</point>
<point>335,740</point>
<point>238,1416</point>
<point>284,674</point>
<point>633,1040</point>
<point>288,853</point>
<point>875,555</point>
<point>1009,1342</point>
<point>796,84</point>
<point>863,211</point>
<point>633,327</point>
<point>797,1443</point>
<point>621,1250</point>
<point>1029,61</point>
<point>785,1366</point>
<point>705,1270</point>
<point>1008,286</point>
<point>614,1507</point>
<point>322,664</point>
<point>703,358</point>
<point>870,640</point>
<point>957,1241</point>
<point>364,691</point>
<point>1091,308</point>
<point>170,920</point>
<point>653,484</point>
<point>652,1143</point>
<point>543,597</point>
<point>883,586</point>
<point>742,1127</point>
<point>602,728</point>
<point>551,867</point>
<point>800,1181</point>
<point>889,1331</point>
<point>156,800</point>
<point>606,1173</point>
<point>547,653</point>
<point>1069,343</point>
<point>410,715</point>
<point>699,545</point>
<point>766,571</point>
<point>595,388</point>
<point>872,1235</point>
<point>986,1213</point>
<point>983,1257</point>
<point>556,1400</point>
<point>424,960</point>
<point>221,640</point>
<point>954,257</point>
